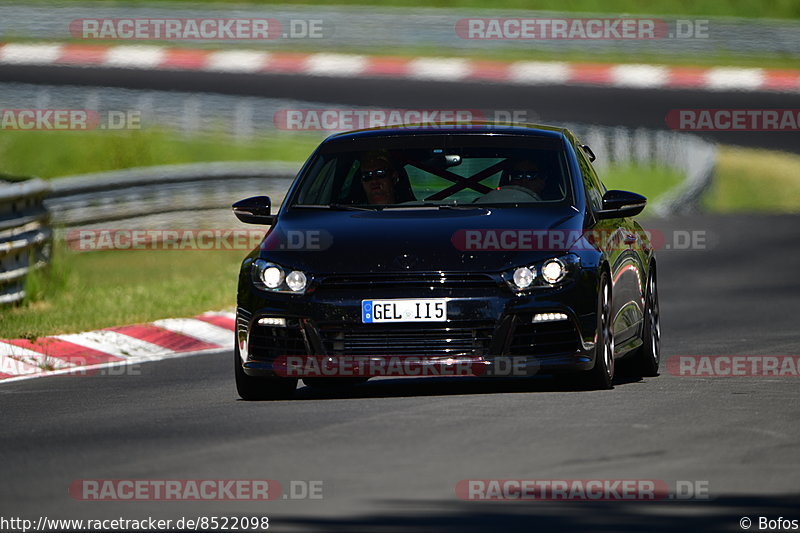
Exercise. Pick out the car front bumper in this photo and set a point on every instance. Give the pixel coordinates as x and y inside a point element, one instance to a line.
<point>489,329</point>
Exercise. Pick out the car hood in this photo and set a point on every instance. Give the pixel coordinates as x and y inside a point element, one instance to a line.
<point>417,240</point>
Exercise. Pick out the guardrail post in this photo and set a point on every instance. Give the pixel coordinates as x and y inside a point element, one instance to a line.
<point>25,235</point>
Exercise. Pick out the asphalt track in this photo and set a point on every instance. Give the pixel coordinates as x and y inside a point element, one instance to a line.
<point>544,103</point>
<point>390,452</point>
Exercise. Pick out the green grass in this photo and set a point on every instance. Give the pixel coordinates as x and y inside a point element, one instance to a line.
<point>755,180</point>
<point>734,8</point>
<point>651,182</point>
<point>90,290</point>
<point>52,154</point>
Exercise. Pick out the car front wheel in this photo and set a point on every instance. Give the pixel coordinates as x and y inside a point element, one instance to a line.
<point>261,388</point>
<point>602,375</point>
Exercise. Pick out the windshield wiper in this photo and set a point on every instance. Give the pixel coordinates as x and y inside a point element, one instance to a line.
<point>344,207</point>
<point>460,206</point>
<point>351,207</point>
<point>429,205</point>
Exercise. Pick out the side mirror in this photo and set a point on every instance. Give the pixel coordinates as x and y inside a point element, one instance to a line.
<point>588,152</point>
<point>619,204</point>
<point>255,210</point>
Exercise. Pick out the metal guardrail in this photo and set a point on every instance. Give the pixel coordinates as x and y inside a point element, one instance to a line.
<point>25,235</point>
<point>685,198</point>
<point>686,153</point>
<point>137,192</point>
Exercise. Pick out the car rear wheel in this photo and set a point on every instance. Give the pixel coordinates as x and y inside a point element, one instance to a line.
<point>602,375</point>
<point>647,358</point>
<point>261,388</point>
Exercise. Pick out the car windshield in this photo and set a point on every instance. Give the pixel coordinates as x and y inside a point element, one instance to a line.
<point>390,175</point>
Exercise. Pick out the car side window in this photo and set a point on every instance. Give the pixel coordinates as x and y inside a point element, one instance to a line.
<point>594,188</point>
<point>320,188</point>
<point>347,185</point>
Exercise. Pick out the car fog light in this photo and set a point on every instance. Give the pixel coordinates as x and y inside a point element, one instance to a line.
<point>296,280</point>
<point>523,277</point>
<point>549,317</point>
<point>272,321</point>
<point>273,277</point>
<point>553,271</point>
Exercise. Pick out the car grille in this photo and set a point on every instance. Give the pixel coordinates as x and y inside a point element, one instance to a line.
<point>461,339</point>
<point>409,281</point>
<point>267,342</point>
<point>546,338</point>
<point>243,317</point>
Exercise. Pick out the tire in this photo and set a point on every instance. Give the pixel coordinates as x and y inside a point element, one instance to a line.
<point>647,358</point>
<point>260,388</point>
<point>601,376</point>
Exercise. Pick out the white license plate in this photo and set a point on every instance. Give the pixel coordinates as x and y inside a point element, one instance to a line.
<point>406,310</point>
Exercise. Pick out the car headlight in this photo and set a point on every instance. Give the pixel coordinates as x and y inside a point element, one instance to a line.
<point>296,280</point>
<point>276,278</point>
<point>272,277</point>
<point>548,273</point>
<point>523,277</point>
<point>553,271</point>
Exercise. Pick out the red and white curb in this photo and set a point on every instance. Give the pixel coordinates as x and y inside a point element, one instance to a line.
<point>79,353</point>
<point>422,68</point>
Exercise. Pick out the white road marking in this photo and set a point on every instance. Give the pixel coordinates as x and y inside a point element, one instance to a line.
<point>15,367</point>
<point>536,72</point>
<point>335,65</point>
<point>135,56</point>
<point>439,68</point>
<point>199,330</point>
<point>118,344</point>
<point>39,360</point>
<point>30,54</point>
<point>639,76</point>
<point>226,314</point>
<point>237,61</point>
<point>743,79</point>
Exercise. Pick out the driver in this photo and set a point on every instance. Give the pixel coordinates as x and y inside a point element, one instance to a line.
<point>379,177</point>
<point>525,174</point>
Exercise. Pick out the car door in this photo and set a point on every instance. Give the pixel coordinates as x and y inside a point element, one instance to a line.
<point>620,242</point>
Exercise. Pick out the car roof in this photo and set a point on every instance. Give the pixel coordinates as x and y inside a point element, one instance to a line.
<point>454,128</point>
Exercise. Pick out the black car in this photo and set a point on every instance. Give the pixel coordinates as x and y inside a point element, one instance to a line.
<point>494,246</point>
